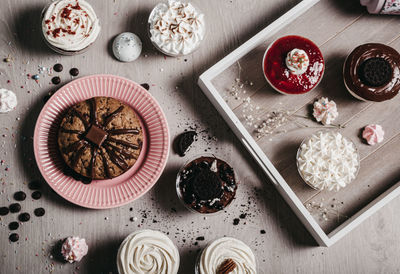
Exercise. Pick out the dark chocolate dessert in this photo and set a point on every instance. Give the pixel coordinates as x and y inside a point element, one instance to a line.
<point>100,138</point>
<point>206,185</point>
<point>371,72</point>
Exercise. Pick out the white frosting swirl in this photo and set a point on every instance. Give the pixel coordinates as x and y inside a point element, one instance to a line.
<point>8,100</point>
<point>325,111</point>
<point>215,254</point>
<point>147,252</point>
<point>297,61</point>
<point>70,25</point>
<point>176,28</point>
<point>327,160</point>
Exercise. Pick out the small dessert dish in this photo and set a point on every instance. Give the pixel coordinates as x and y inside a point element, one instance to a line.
<point>176,28</point>
<point>226,255</point>
<point>206,185</point>
<point>325,111</point>
<point>70,26</point>
<point>293,65</point>
<point>127,47</point>
<point>100,138</point>
<point>327,160</point>
<point>74,249</point>
<point>373,134</point>
<point>147,251</point>
<point>371,72</point>
<point>8,100</point>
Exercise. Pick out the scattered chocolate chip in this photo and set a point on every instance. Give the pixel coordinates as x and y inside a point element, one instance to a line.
<point>56,80</point>
<point>243,215</point>
<point>262,231</point>
<point>184,141</point>
<point>146,86</point>
<point>131,219</point>
<point>58,67</point>
<point>34,185</point>
<point>36,195</point>
<point>74,71</point>
<point>24,217</point>
<point>39,212</point>
<point>131,209</point>
<point>14,237</point>
<point>201,238</point>
<point>4,211</point>
<point>236,221</point>
<point>14,208</point>
<point>13,225</point>
<point>19,196</point>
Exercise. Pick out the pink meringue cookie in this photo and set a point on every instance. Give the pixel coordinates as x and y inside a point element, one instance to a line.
<point>73,249</point>
<point>325,111</point>
<point>373,134</point>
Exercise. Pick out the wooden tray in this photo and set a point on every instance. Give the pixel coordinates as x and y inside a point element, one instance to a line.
<point>237,88</point>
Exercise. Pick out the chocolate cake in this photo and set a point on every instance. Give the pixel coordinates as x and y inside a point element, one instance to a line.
<point>100,138</point>
<point>371,72</point>
<point>206,185</point>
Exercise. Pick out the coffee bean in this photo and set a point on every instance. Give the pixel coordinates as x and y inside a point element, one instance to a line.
<point>39,212</point>
<point>34,185</point>
<point>24,217</point>
<point>14,208</point>
<point>58,67</point>
<point>74,71</point>
<point>13,225</point>
<point>14,237</point>
<point>19,196</point>
<point>4,211</point>
<point>36,195</point>
<point>56,80</point>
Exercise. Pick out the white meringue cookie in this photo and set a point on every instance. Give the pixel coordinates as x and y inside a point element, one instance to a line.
<point>8,100</point>
<point>127,47</point>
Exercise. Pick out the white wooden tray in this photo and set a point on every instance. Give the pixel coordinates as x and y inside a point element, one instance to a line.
<point>377,183</point>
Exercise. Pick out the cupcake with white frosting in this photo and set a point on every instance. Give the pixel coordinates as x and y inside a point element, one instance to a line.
<point>147,251</point>
<point>70,26</point>
<point>226,255</point>
<point>176,28</point>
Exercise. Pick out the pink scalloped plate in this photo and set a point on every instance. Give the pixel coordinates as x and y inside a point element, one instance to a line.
<point>125,188</point>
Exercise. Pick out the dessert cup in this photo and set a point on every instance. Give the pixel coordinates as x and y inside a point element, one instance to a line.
<point>241,254</point>
<point>175,48</point>
<point>143,244</point>
<point>306,140</point>
<point>308,71</point>
<point>69,27</point>
<point>228,193</point>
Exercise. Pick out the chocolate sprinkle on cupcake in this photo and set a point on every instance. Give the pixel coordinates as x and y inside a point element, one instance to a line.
<point>36,195</point>
<point>24,217</point>
<point>14,208</point>
<point>14,237</point>
<point>19,196</point>
<point>13,225</point>
<point>4,211</point>
<point>39,212</point>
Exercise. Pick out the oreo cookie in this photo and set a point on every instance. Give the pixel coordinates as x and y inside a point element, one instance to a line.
<point>184,141</point>
<point>206,185</point>
<point>375,72</point>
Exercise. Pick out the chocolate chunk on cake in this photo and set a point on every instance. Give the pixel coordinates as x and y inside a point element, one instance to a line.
<point>100,138</point>
<point>207,185</point>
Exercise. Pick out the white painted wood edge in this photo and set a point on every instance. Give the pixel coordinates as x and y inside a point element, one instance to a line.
<point>364,213</point>
<point>253,42</point>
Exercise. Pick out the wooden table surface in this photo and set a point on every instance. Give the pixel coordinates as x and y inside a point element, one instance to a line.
<point>286,247</point>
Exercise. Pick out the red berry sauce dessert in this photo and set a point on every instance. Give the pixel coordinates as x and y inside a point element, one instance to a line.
<point>293,65</point>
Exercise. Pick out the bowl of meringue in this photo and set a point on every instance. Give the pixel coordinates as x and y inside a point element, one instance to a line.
<point>328,160</point>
